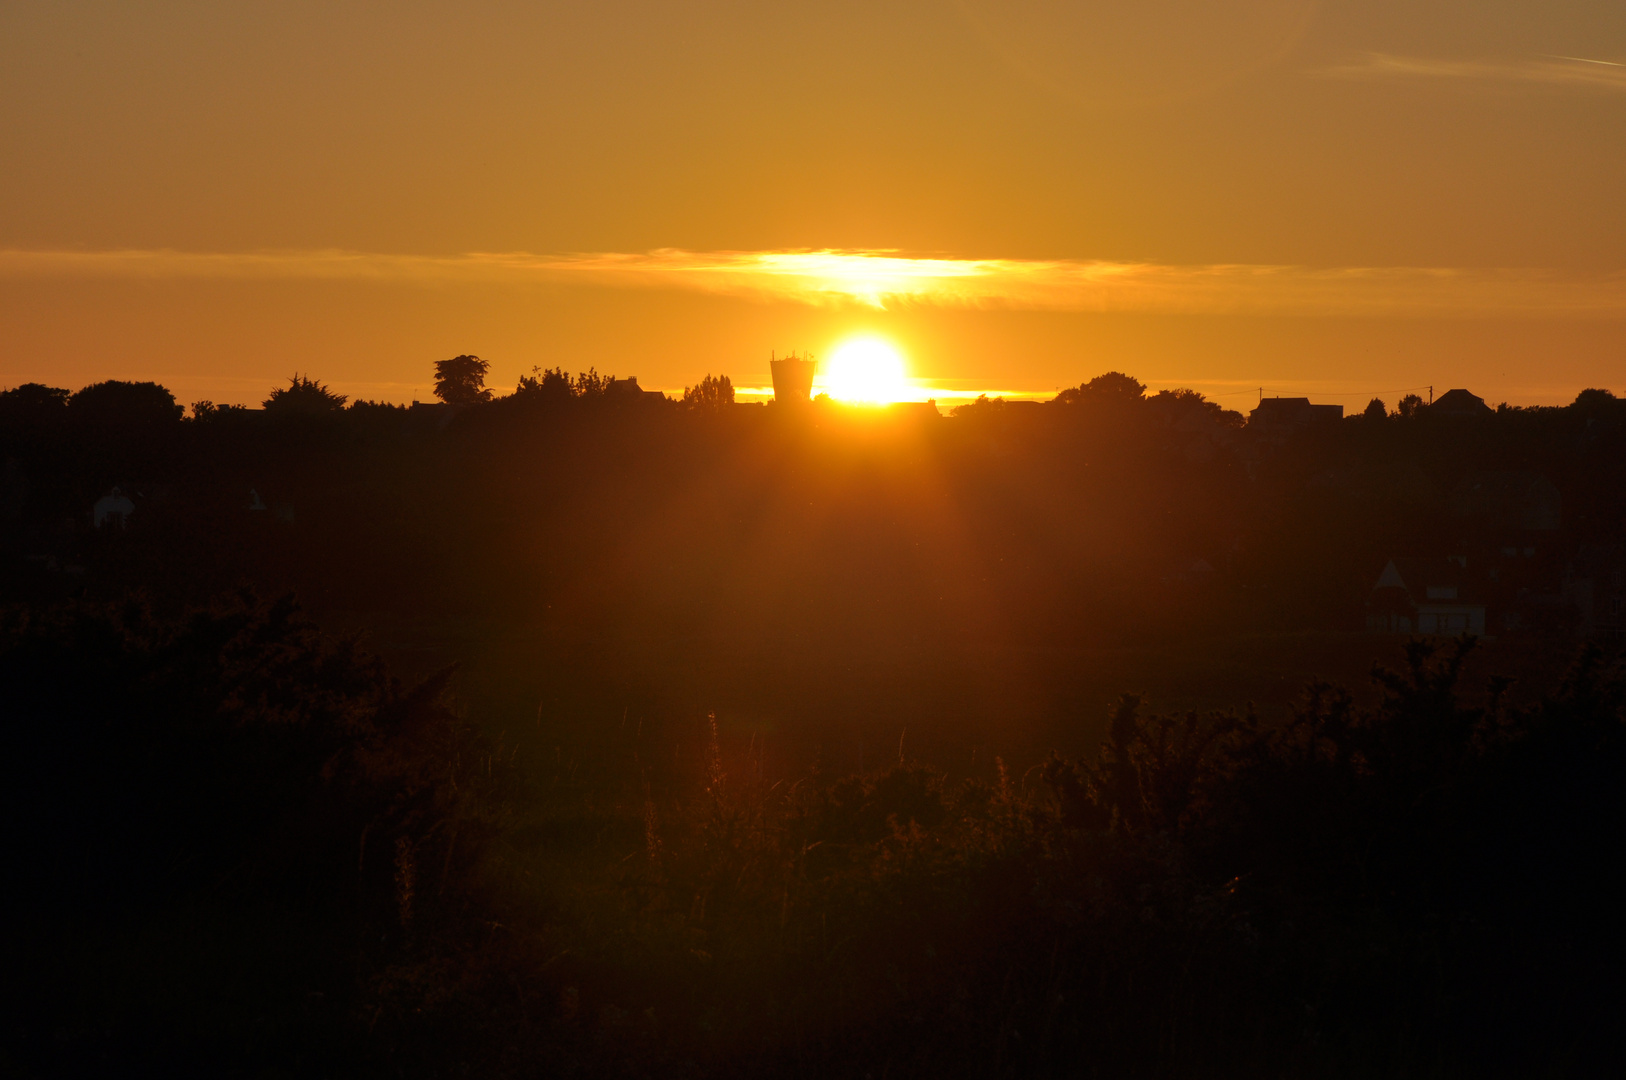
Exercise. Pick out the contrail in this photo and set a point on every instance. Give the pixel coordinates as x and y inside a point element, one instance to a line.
<point>1582,60</point>
<point>1606,75</point>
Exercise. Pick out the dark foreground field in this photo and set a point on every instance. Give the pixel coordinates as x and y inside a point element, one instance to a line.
<point>239,848</point>
<point>567,735</point>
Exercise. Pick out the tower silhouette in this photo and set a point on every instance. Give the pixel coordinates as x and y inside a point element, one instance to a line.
<point>793,378</point>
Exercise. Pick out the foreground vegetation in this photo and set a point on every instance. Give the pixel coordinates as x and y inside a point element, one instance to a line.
<point>644,831</point>
<point>243,848</point>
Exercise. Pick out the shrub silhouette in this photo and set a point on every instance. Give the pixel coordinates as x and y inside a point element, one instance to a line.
<point>225,790</point>
<point>712,394</point>
<point>552,384</point>
<point>124,404</point>
<point>231,807</point>
<point>1208,889</point>
<point>1114,390</point>
<point>304,396</point>
<point>31,399</point>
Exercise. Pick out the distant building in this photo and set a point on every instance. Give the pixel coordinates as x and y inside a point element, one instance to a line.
<point>112,510</point>
<point>627,389</point>
<point>1279,417</point>
<point>793,378</point>
<point>922,410</point>
<point>1424,596</point>
<point>1459,403</point>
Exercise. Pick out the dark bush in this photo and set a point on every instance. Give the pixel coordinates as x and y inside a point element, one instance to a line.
<point>213,828</point>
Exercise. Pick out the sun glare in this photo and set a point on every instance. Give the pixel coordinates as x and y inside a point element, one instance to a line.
<point>866,371</point>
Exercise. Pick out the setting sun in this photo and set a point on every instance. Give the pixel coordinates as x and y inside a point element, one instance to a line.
<point>866,371</point>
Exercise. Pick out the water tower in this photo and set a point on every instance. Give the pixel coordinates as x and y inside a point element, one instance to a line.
<point>793,378</point>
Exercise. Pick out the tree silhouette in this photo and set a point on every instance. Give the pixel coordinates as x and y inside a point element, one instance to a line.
<point>556,384</point>
<point>713,394</point>
<point>1375,410</point>
<point>1595,402</point>
<point>33,397</point>
<point>552,384</point>
<point>1112,389</point>
<point>31,406</point>
<point>124,402</point>
<point>462,380</point>
<point>304,395</point>
<point>1410,406</point>
<point>1187,408</point>
<point>208,410</point>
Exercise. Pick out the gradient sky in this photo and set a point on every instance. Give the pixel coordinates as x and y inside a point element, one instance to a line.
<point>1338,198</point>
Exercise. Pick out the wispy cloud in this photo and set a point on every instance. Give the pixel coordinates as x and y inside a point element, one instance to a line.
<point>888,279</point>
<point>1571,71</point>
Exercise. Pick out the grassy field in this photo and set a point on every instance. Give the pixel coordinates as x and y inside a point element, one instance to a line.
<point>957,709</point>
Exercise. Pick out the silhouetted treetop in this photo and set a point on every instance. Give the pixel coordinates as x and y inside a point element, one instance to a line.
<point>462,380</point>
<point>983,406</point>
<point>363,407</point>
<point>208,410</point>
<point>1595,402</point>
<point>304,395</point>
<point>33,396</point>
<point>1112,389</point>
<point>125,402</point>
<point>591,384</point>
<point>556,384</point>
<point>552,384</point>
<point>32,403</point>
<point>714,393</point>
<point>1375,410</point>
<point>1188,408</point>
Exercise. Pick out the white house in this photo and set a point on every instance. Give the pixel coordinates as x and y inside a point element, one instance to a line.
<point>112,509</point>
<point>1424,596</point>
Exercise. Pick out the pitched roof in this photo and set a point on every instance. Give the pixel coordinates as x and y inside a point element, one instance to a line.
<point>1280,411</point>
<point>1417,577</point>
<point>1460,402</point>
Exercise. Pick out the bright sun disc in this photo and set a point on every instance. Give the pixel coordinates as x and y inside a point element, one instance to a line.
<point>866,371</point>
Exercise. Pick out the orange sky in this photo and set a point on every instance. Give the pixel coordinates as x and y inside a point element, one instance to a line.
<point>1335,198</point>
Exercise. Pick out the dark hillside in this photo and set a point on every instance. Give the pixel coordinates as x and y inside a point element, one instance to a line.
<point>598,733</point>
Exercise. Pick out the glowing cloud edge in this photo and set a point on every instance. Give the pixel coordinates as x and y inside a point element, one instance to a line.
<point>886,279</point>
